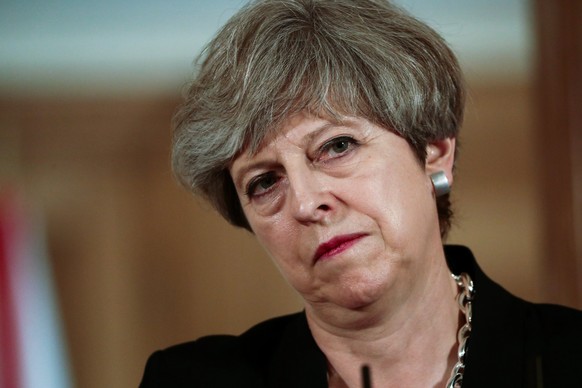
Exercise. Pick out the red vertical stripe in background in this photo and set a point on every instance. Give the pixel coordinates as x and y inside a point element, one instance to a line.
<point>9,356</point>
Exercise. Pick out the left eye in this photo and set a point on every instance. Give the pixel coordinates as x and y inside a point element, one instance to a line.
<point>338,146</point>
<point>261,184</point>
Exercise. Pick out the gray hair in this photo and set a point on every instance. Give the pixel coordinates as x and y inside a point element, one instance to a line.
<point>276,58</point>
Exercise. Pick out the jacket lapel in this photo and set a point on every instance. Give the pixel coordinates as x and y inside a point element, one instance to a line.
<point>298,362</point>
<point>496,350</point>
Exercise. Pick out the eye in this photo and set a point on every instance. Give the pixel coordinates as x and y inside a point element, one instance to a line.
<point>261,184</point>
<point>337,147</point>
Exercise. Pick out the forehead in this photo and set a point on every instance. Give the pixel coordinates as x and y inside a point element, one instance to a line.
<point>300,130</point>
<point>293,128</point>
<point>296,136</point>
<point>297,131</point>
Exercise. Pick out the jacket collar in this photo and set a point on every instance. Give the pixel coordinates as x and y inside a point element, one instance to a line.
<point>496,354</point>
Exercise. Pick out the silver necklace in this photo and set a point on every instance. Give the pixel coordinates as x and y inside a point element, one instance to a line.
<point>465,298</point>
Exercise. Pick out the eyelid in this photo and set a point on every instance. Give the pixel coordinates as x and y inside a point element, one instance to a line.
<point>250,187</point>
<point>325,147</point>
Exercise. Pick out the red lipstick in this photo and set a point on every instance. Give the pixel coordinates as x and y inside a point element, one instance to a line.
<point>336,245</point>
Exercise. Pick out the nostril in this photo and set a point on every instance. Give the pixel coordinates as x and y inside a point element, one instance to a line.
<point>323,207</point>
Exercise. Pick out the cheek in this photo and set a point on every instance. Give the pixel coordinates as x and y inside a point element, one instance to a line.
<point>277,236</point>
<point>400,204</point>
<point>282,244</point>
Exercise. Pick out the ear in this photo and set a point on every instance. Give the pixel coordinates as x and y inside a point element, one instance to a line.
<point>440,156</point>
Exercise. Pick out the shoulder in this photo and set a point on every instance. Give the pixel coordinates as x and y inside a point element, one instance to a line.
<point>560,328</point>
<point>568,319</point>
<point>531,343</point>
<point>555,332</point>
<point>218,360</point>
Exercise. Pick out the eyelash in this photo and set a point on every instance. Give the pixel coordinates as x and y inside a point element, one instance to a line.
<point>256,181</point>
<point>326,147</point>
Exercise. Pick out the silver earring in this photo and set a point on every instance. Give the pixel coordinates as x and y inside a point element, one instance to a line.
<point>440,183</point>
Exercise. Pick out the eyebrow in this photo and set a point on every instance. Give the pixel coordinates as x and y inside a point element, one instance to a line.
<point>307,139</point>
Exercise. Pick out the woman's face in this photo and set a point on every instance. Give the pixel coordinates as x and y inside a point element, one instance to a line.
<point>346,210</point>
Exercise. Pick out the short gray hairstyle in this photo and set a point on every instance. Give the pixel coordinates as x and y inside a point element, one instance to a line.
<point>332,58</point>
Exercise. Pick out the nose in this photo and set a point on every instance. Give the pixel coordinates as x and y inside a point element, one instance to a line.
<point>310,201</point>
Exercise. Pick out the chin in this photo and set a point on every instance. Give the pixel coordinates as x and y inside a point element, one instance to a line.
<point>360,294</point>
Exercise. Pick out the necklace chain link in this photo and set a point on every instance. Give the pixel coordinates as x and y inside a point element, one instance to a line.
<point>465,298</point>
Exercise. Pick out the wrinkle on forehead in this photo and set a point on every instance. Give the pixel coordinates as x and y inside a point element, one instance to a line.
<point>285,132</point>
<point>286,125</point>
<point>294,136</point>
<point>288,135</point>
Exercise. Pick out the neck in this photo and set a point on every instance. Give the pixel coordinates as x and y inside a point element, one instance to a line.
<point>405,344</point>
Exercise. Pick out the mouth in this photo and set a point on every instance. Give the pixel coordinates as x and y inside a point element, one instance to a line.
<point>336,245</point>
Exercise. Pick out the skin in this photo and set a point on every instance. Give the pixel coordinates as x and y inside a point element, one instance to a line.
<point>347,212</point>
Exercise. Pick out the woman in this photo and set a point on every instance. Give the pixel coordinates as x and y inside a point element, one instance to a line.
<point>328,129</point>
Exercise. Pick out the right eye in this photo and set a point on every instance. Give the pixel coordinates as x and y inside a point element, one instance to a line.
<point>261,184</point>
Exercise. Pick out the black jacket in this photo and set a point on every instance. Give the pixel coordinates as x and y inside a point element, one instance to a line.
<point>513,343</point>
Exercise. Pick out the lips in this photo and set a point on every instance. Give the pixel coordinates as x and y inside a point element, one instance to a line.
<point>336,245</point>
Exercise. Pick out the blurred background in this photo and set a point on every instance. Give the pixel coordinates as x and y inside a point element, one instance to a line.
<point>104,259</point>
